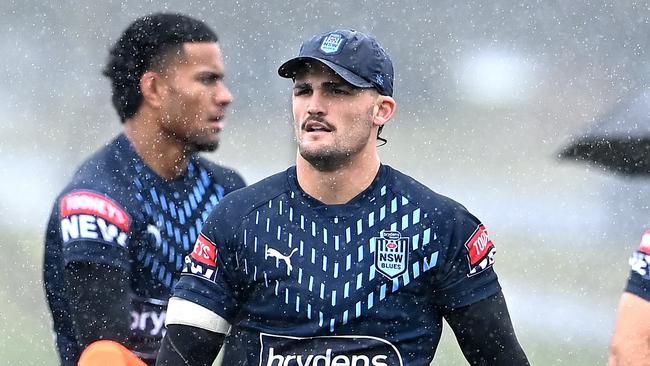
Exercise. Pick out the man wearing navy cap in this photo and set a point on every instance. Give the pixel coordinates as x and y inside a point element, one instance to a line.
<point>340,259</point>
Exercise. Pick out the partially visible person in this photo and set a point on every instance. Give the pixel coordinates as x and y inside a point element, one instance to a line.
<point>340,259</point>
<point>120,229</point>
<point>630,344</point>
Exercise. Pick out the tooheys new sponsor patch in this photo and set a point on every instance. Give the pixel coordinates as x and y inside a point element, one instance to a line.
<point>88,215</point>
<point>480,251</point>
<point>276,350</point>
<point>202,261</point>
<point>644,246</point>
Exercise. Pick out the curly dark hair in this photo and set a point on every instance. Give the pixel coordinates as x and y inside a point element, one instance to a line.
<point>144,45</point>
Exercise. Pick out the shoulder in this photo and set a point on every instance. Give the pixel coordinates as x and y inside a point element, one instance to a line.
<point>99,181</point>
<point>251,197</point>
<point>422,196</point>
<point>237,205</point>
<point>225,176</point>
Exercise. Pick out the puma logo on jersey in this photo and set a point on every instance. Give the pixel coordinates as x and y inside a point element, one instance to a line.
<point>286,258</point>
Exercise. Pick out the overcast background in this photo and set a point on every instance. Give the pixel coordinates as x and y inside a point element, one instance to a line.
<point>487,93</point>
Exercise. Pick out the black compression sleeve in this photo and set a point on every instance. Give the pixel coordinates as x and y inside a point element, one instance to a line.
<point>188,346</point>
<point>485,334</point>
<point>99,300</point>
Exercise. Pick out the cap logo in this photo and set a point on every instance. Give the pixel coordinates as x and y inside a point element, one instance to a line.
<point>379,79</point>
<point>332,43</point>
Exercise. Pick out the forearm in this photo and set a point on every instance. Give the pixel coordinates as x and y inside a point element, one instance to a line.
<point>189,346</point>
<point>485,333</point>
<point>631,340</point>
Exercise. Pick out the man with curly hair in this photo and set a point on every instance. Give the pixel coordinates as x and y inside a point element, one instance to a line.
<point>119,231</point>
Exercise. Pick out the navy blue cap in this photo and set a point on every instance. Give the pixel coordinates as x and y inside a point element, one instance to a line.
<point>355,56</point>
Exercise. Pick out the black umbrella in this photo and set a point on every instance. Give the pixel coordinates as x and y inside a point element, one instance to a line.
<point>619,140</point>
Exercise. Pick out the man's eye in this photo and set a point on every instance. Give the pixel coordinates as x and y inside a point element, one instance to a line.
<point>210,79</point>
<point>340,91</point>
<point>300,91</point>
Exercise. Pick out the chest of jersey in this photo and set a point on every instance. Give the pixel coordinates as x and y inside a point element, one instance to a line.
<point>318,270</point>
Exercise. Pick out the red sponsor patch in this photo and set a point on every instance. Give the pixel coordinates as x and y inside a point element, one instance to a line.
<point>478,245</point>
<point>644,246</point>
<point>205,251</point>
<point>85,202</point>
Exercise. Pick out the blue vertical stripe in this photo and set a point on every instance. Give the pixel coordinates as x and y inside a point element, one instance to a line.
<point>346,290</point>
<point>405,222</point>
<point>393,205</point>
<point>371,219</point>
<point>416,216</point>
<point>416,270</point>
<point>395,284</point>
<point>345,317</point>
<point>371,300</point>
<point>426,237</point>
<point>360,254</point>
<point>336,269</point>
<point>333,297</point>
<point>382,292</point>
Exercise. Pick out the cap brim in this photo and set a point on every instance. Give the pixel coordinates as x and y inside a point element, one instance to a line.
<point>289,69</point>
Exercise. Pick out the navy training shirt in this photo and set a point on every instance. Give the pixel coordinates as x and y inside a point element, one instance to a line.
<point>361,283</point>
<point>118,212</point>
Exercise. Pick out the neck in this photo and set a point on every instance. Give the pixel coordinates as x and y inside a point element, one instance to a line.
<point>341,185</point>
<point>164,154</point>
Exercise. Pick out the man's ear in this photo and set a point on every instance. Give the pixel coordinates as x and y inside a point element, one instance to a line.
<point>384,110</point>
<point>151,87</point>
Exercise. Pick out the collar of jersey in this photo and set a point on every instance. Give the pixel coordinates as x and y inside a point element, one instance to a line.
<point>134,161</point>
<point>363,199</point>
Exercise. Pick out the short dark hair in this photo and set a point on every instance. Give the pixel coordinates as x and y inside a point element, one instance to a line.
<point>143,45</point>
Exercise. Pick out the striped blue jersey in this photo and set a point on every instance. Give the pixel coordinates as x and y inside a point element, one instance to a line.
<point>117,211</point>
<point>361,283</point>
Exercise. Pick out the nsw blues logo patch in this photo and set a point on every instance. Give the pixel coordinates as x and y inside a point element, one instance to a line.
<point>391,253</point>
<point>332,43</point>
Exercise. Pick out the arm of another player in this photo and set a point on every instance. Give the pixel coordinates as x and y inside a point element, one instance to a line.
<point>485,334</point>
<point>631,340</point>
<point>99,298</point>
<point>194,335</point>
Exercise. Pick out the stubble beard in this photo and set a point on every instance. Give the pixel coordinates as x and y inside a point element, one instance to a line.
<point>326,160</point>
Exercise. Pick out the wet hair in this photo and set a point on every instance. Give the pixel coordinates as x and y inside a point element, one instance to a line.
<point>144,45</point>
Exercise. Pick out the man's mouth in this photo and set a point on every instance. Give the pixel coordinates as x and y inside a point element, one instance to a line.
<point>316,126</point>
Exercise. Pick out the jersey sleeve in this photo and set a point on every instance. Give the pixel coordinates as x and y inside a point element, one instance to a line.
<point>94,228</point>
<point>465,275</point>
<point>209,276</point>
<point>639,280</point>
